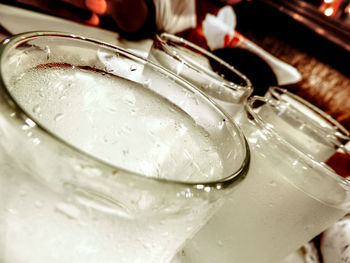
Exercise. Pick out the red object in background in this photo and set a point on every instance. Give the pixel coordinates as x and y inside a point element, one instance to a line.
<point>340,163</point>
<point>235,41</point>
<point>330,7</point>
<point>194,35</point>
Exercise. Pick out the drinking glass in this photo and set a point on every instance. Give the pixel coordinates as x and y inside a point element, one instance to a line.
<point>326,135</point>
<point>287,198</point>
<point>220,81</point>
<point>99,163</point>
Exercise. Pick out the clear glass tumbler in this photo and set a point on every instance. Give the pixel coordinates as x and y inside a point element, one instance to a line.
<point>287,198</point>
<point>99,163</point>
<point>219,80</point>
<point>327,136</point>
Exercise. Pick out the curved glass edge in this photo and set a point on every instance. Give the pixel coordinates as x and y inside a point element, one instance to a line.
<point>164,37</point>
<point>277,92</point>
<point>22,115</point>
<point>340,132</point>
<point>253,116</point>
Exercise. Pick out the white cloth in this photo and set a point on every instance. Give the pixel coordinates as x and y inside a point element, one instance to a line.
<point>174,16</point>
<point>217,28</point>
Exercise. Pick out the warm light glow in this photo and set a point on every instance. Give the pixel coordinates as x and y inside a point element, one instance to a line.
<point>347,9</point>
<point>328,11</point>
<point>328,1</point>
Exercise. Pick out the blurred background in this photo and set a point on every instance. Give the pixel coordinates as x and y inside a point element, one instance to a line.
<point>311,35</point>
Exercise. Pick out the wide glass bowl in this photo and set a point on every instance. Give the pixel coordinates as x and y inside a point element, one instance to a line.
<point>105,156</point>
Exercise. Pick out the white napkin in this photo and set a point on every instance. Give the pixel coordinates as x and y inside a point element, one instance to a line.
<point>219,32</point>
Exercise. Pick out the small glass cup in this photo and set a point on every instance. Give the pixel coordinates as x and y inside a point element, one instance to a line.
<point>287,199</point>
<point>100,164</point>
<point>325,131</point>
<point>228,87</point>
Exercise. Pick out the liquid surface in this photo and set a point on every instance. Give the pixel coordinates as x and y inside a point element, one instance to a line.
<point>91,217</point>
<point>119,121</point>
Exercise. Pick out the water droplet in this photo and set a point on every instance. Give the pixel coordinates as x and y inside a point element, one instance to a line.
<point>25,127</point>
<point>91,171</point>
<point>133,67</point>
<point>36,141</point>
<point>307,227</point>
<point>129,99</point>
<point>171,109</point>
<point>78,167</point>
<point>147,82</point>
<point>59,117</point>
<point>22,193</point>
<point>30,123</point>
<point>68,210</point>
<point>11,210</point>
<point>124,130</point>
<point>38,204</point>
<point>220,243</point>
<point>189,228</point>
<point>207,189</point>
<point>36,109</point>
<point>147,245</point>
<point>48,52</point>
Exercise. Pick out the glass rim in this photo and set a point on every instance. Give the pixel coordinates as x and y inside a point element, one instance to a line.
<point>278,91</point>
<point>255,117</point>
<point>223,182</point>
<point>163,38</point>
